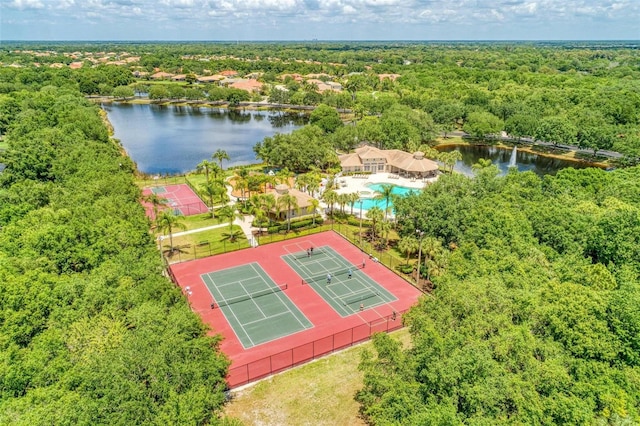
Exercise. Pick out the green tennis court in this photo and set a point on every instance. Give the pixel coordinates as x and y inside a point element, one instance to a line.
<point>348,290</point>
<point>257,309</point>
<point>159,190</point>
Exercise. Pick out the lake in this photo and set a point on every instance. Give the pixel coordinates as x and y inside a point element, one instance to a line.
<point>174,139</point>
<point>501,157</point>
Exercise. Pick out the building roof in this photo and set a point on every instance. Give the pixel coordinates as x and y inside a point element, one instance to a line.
<point>349,160</point>
<point>415,162</point>
<point>250,85</point>
<point>210,78</point>
<point>161,74</point>
<point>304,200</point>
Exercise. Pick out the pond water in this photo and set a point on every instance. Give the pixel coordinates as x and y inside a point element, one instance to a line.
<point>174,139</point>
<point>502,157</point>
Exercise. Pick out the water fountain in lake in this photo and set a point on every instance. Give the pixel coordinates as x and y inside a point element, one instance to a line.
<point>514,154</point>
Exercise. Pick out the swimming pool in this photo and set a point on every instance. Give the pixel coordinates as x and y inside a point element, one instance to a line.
<point>368,202</point>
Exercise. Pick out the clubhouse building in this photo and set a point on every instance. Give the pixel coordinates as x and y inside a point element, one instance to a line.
<point>369,159</point>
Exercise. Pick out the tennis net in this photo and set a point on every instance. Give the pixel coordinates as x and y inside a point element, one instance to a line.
<point>323,278</point>
<point>249,296</point>
<point>359,297</point>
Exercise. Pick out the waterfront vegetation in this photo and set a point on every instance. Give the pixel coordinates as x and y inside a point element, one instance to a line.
<point>533,282</point>
<point>92,331</point>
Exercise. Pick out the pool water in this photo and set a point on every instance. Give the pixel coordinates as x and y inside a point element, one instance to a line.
<point>368,203</point>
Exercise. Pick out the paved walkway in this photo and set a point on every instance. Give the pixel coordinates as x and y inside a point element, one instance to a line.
<point>245,225</point>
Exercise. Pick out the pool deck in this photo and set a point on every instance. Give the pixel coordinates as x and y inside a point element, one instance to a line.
<point>349,184</point>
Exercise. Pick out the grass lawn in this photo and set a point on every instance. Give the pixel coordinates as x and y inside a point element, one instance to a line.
<point>144,181</point>
<point>203,244</point>
<point>319,393</point>
<point>3,145</point>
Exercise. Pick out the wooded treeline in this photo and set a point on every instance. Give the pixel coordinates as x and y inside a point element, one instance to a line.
<point>537,317</point>
<point>584,94</point>
<point>91,332</point>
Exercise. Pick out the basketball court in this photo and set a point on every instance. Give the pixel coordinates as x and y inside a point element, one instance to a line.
<point>179,198</point>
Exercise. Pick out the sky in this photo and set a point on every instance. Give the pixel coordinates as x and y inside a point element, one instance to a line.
<point>245,20</point>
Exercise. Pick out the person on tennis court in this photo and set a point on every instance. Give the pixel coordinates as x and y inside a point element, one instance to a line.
<point>308,252</point>
<point>329,278</point>
<point>349,273</point>
<point>311,249</point>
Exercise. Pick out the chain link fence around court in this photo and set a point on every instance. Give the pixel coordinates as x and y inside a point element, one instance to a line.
<point>284,360</point>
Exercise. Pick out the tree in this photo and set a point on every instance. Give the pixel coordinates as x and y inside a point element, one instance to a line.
<point>449,159</point>
<point>386,194</point>
<point>376,215</point>
<point>158,92</point>
<point>289,203</point>
<point>352,199</point>
<point>596,138</point>
<point>409,245</point>
<point>314,204</point>
<point>123,92</point>
<point>556,130</point>
<point>220,155</point>
<point>156,201</point>
<point>232,235</point>
<point>325,117</point>
<point>167,221</point>
<point>330,197</point>
<point>481,124</point>
<point>214,190</point>
<point>205,165</point>
<point>230,214</point>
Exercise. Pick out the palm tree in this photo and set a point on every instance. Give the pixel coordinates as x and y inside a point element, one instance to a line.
<point>283,176</point>
<point>376,216</point>
<point>314,207</point>
<point>214,190</point>
<point>384,227</point>
<point>353,199</point>
<point>206,166</point>
<point>343,199</point>
<point>449,159</point>
<point>330,197</point>
<point>302,182</point>
<point>220,155</point>
<point>290,203</point>
<point>232,235</point>
<point>386,194</point>
<point>269,204</point>
<point>167,221</point>
<point>156,202</point>
<point>229,214</point>
<point>408,245</point>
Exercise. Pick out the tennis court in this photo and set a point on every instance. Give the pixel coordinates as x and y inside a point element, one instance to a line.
<point>342,284</point>
<point>268,326</point>
<point>180,198</point>
<point>257,308</point>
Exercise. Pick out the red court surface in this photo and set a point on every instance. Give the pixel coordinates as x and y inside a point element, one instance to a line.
<point>180,198</point>
<point>330,331</point>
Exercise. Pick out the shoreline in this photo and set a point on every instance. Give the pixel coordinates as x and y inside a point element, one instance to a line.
<point>569,156</point>
<point>454,140</point>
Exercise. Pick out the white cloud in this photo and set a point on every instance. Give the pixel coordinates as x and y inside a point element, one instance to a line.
<point>26,4</point>
<point>378,19</point>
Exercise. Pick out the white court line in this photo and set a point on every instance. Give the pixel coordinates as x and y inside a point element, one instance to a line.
<point>277,293</point>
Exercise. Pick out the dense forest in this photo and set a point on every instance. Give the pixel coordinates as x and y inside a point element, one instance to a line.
<point>92,333</point>
<point>534,317</point>
<point>585,94</point>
